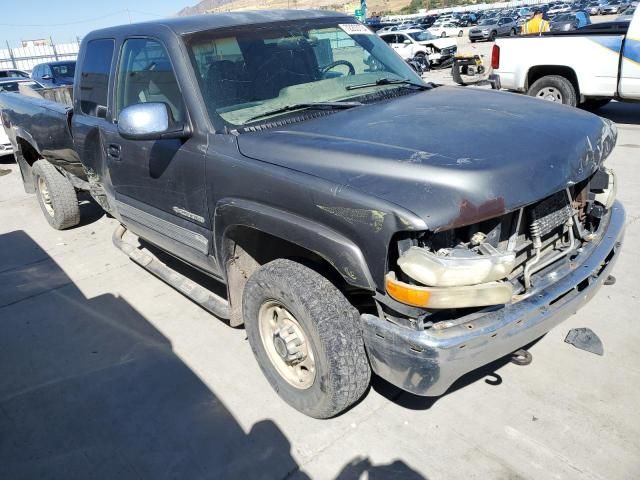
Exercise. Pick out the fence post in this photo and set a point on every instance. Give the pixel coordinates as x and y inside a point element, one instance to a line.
<point>53,45</point>
<point>13,60</point>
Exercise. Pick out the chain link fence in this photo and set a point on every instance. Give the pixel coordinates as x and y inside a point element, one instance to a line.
<point>31,53</point>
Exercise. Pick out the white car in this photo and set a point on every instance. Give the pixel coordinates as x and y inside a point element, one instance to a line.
<point>446,30</point>
<point>562,8</point>
<point>419,43</point>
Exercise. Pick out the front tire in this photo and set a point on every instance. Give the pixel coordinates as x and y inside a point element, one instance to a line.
<point>554,88</point>
<point>306,338</point>
<point>56,196</point>
<point>492,36</point>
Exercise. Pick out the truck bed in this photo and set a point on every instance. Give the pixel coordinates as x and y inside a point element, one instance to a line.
<point>45,125</point>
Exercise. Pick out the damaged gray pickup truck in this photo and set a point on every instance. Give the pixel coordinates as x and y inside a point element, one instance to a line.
<point>360,219</point>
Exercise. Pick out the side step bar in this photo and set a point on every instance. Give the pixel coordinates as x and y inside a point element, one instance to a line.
<point>203,297</point>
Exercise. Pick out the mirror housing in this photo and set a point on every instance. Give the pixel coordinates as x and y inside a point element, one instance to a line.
<point>150,121</point>
<point>407,42</point>
<point>47,77</point>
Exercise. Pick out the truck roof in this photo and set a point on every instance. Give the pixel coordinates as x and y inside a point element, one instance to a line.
<point>196,23</point>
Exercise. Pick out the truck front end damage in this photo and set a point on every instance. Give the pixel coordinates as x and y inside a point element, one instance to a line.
<point>460,298</point>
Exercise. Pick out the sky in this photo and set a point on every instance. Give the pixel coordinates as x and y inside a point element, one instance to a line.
<point>67,19</point>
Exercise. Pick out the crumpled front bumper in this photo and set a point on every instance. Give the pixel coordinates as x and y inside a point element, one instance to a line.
<point>428,362</point>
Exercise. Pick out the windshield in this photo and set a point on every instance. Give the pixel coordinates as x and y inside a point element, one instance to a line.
<point>253,70</point>
<point>421,36</point>
<point>14,86</point>
<point>564,18</point>
<point>64,70</point>
<point>487,21</point>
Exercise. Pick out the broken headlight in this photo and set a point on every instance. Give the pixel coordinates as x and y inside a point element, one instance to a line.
<point>456,267</point>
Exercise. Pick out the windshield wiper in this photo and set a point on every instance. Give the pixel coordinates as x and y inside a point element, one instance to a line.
<point>303,106</point>
<point>387,81</point>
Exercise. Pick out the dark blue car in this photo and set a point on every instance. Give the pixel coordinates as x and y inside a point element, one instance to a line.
<point>55,74</point>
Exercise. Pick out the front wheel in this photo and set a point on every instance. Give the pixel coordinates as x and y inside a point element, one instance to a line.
<point>56,196</point>
<point>512,33</point>
<point>492,36</point>
<point>460,33</point>
<point>306,338</point>
<point>554,88</point>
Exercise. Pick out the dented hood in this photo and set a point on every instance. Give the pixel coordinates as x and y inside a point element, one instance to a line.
<point>453,156</point>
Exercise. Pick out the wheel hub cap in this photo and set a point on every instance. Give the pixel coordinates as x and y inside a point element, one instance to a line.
<point>550,94</point>
<point>286,345</point>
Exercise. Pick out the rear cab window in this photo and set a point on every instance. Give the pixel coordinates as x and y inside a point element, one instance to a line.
<point>94,77</point>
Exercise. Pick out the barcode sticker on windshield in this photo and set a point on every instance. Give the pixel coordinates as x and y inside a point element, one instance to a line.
<point>355,29</point>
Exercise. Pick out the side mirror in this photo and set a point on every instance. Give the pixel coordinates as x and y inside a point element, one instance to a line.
<point>150,121</point>
<point>47,77</point>
<point>407,41</point>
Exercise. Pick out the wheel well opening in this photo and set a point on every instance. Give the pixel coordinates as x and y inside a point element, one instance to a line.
<point>29,153</point>
<point>245,249</point>
<point>536,73</point>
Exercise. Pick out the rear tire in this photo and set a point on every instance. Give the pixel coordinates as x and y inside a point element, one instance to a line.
<point>56,196</point>
<point>317,318</point>
<point>554,88</point>
<point>594,104</point>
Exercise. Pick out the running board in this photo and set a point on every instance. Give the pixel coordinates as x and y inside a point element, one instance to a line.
<point>190,289</point>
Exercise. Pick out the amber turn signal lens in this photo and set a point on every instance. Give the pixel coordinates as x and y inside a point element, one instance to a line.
<point>404,293</point>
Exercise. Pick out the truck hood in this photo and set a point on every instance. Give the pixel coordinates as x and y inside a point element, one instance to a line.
<point>453,156</point>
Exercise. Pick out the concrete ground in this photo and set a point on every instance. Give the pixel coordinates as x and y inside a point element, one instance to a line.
<point>106,372</point>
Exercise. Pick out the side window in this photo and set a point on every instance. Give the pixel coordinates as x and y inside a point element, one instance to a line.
<point>45,70</point>
<point>145,75</point>
<point>388,38</point>
<point>94,77</point>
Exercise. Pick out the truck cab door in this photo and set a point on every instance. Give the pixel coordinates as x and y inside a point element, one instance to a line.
<point>629,82</point>
<point>158,185</point>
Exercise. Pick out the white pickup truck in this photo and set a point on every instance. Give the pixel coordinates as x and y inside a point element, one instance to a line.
<point>587,67</point>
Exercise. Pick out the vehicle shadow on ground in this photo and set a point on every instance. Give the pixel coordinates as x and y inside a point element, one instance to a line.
<point>488,373</point>
<point>90,389</point>
<point>621,112</point>
<point>90,211</point>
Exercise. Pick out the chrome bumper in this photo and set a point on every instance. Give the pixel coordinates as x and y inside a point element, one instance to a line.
<point>428,362</point>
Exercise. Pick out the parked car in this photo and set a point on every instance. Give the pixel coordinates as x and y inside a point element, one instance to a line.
<point>418,43</point>
<point>570,21</point>
<point>574,69</point>
<point>54,74</point>
<point>357,219</point>
<point>491,28</point>
<point>558,9</point>
<point>12,73</point>
<point>627,15</point>
<point>594,8</point>
<point>611,8</point>
<point>447,30</point>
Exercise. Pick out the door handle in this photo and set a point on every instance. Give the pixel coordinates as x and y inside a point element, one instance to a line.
<point>113,151</point>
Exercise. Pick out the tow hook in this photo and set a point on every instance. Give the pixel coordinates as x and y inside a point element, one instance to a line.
<point>521,357</point>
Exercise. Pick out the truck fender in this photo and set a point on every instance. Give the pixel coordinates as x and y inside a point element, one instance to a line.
<point>21,136</point>
<point>337,250</point>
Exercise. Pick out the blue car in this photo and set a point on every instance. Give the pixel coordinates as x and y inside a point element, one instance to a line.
<point>55,74</point>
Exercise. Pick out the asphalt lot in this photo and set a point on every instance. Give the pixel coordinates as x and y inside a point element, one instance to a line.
<point>106,372</point>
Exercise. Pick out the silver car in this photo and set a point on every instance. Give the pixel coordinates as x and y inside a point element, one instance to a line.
<point>490,28</point>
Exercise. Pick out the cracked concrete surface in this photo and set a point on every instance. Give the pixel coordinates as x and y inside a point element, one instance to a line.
<point>106,372</point>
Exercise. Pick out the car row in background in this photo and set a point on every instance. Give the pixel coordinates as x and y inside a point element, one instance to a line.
<point>563,16</point>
